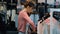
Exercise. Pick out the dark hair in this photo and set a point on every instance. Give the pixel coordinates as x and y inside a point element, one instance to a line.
<point>22,2</point>
<point>30,4</point>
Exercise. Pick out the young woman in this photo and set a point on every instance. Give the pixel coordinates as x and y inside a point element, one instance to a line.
<point>23,18</point>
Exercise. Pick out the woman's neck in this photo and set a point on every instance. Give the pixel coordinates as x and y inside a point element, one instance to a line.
<point>25,9</point>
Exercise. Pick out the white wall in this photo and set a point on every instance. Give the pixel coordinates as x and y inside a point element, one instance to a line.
<point>48,1</point>
<point>40,1</point>
<point>58,0</point>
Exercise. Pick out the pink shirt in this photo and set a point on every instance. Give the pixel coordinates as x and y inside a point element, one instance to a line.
<point>23,19</point>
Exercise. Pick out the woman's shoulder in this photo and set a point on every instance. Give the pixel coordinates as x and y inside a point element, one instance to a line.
<point>22,12</point>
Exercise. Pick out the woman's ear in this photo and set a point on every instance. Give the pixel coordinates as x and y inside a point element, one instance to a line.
<point>27,6</point>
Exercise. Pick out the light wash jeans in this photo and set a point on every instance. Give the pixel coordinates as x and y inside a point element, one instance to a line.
<point>21,33</point>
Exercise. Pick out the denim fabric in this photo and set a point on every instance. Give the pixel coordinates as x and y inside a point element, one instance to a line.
<point>35,18</point>
<point>21,33</point>
<point>16,21</point>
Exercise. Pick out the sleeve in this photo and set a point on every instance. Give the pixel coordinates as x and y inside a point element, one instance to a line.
<point>27,18</point>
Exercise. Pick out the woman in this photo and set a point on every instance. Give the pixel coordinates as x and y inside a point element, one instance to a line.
<point>23,18</point>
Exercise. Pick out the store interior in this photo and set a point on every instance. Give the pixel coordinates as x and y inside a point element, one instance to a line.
<point>9,11</point>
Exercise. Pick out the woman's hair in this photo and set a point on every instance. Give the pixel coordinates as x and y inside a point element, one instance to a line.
<point>30,4</point>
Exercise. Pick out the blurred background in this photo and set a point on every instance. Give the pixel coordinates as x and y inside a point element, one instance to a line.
<point>9,10</point>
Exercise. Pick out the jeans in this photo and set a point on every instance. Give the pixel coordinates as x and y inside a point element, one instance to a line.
<point>21,33</point>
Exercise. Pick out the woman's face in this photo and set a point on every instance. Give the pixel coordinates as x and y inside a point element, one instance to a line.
<point>30,9</point>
